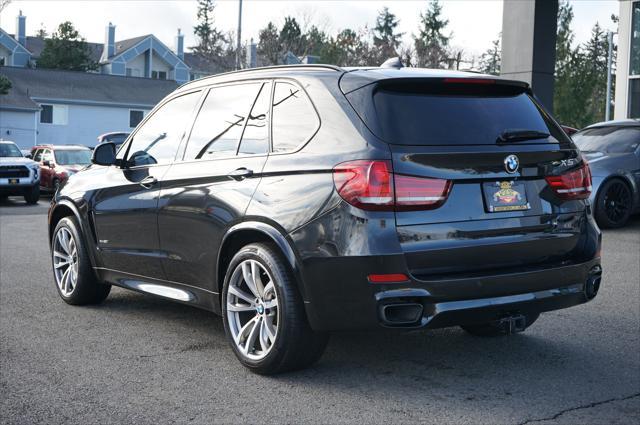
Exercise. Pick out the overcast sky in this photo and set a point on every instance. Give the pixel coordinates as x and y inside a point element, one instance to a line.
<point>474,23</point>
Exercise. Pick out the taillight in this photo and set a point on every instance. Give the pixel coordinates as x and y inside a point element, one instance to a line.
<point>420,193</point>
<point>575,184</point>
<point>371,185</point>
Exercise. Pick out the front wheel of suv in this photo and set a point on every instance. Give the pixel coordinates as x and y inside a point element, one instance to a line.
<point>75,280</point>
<point>494,329</point>
<point>264,316</point>
<point>33,195</point>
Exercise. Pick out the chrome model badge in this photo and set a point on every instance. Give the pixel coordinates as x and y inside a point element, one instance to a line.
<point>511,164</point>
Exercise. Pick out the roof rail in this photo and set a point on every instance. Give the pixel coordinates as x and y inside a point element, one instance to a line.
<point>274,67</point>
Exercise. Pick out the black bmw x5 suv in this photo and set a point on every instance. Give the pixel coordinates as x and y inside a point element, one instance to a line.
<point>296,201</point>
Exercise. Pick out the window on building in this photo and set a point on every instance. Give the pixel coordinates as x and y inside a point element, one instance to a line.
<point>54,114</point>
<point>159,75</point>
<point>135,117</point>
<point>3,60</point>
<point>294,118</point>
<point>220,122</point>
<point>157,141</point>
<point>634,62</point>
<point>133,72</point>
<point>634,98</point>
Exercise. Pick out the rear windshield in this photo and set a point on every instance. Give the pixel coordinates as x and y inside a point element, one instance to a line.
<point>437,114</point>
<point>608,139</point>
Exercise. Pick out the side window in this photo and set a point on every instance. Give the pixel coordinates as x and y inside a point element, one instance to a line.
<point>37,155</point>
<point>255,139</point>
<point>294,118</point>
<point>157,141</point>
<point>47,155</point>
<point>218,127</point>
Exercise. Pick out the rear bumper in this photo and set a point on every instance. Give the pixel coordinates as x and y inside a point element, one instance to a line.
<point>340,303</point>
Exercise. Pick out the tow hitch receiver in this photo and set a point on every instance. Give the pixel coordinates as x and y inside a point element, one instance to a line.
<point>513,324</point>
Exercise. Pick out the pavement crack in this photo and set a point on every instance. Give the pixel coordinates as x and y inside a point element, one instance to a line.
<point>192,347</point>
<point>582,407</point>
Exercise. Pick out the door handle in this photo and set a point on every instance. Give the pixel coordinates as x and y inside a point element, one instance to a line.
<point>240,173</point>
<point>147,182</point>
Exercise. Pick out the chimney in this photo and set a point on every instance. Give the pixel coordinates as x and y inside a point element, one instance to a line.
<point>21,29</point>
<point>180,44</point>
<point>110,41</point>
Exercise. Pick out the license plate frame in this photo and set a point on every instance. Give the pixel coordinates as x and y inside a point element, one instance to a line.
<point>505,196</point>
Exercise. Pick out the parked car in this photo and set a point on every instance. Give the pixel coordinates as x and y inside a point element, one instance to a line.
<point>116,137</point>
<point>58,162</point>
<point>296,201</point>
<point>19,176</point>
<point>613,151</point>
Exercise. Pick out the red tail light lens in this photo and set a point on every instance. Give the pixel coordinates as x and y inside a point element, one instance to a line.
<point>575,184</point>
<point>371,185</point>
<point>420,193</point>
<point>365,184</point>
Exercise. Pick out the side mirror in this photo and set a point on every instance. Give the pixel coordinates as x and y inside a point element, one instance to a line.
<point>28,156</point>
<point>104,154</point>
<point>47,163</point>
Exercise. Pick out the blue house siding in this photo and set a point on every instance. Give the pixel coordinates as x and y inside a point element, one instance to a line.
<point>19,55</point>
<point>85,123</point>
<point>19,127</point>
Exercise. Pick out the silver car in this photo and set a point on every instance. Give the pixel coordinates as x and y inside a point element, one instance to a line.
<point>613,151</point>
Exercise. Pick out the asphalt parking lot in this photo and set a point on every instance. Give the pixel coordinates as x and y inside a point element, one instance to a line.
<point>139,359</point>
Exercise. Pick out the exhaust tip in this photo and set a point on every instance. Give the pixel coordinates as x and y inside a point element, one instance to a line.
<point>401,313</point>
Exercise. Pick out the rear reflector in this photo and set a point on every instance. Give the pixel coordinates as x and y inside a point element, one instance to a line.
<point>388,278</point>
<point>371,185</point>
<point>575,184</point>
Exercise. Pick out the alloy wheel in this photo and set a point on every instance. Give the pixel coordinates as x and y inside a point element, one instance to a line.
<point>252,309</point>
<point>65,261</point>
<point>616,202</point>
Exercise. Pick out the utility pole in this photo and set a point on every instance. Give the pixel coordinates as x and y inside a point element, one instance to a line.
<point>609,65</point>
<point>239,46</point>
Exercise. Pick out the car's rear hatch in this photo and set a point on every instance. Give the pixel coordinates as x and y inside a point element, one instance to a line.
<point>500,212</point>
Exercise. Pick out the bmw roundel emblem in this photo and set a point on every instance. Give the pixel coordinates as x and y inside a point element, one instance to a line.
<point>511,164</point>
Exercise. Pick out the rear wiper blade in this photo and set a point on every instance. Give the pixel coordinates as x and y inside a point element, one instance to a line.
<point>520,135</point>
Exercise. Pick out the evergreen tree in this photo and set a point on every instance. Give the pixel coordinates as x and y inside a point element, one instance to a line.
<point>291,38</point>
<point>5,85</point>
<point>385,38</point>
<point>42,32</point>
<point>491,59</point>
<point>432,44</point>
<point>66,50</point>
<point>211,41</point>
<point>269,45</point>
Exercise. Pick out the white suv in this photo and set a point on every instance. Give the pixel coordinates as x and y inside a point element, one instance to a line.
<point>18,175</point>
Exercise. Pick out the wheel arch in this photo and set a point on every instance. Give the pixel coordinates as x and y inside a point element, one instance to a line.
<point>66,208</point>
<point>247,232</point>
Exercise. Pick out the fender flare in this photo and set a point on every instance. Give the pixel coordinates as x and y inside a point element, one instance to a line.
<point>86,232</point>
<point>277,237</point>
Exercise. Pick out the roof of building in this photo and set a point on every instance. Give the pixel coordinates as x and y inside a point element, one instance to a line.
<point>200,64</point>
<point>35,45</point>
<point>124,45</point>
<point>80,87</point>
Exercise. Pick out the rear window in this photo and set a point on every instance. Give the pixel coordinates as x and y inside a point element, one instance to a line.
<point>608,139</point>
<point>452,114</point>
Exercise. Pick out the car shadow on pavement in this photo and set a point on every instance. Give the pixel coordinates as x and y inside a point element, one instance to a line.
<point>394,359</point>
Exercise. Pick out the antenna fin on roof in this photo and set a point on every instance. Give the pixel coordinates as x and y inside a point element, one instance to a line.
<point>392,63</point>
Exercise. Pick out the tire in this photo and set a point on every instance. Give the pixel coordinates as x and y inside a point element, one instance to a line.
<point>33,195</point>
<point>613,204</point>
<point>491,329</point>
<point>80,286</point>
<point>272,324</point>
